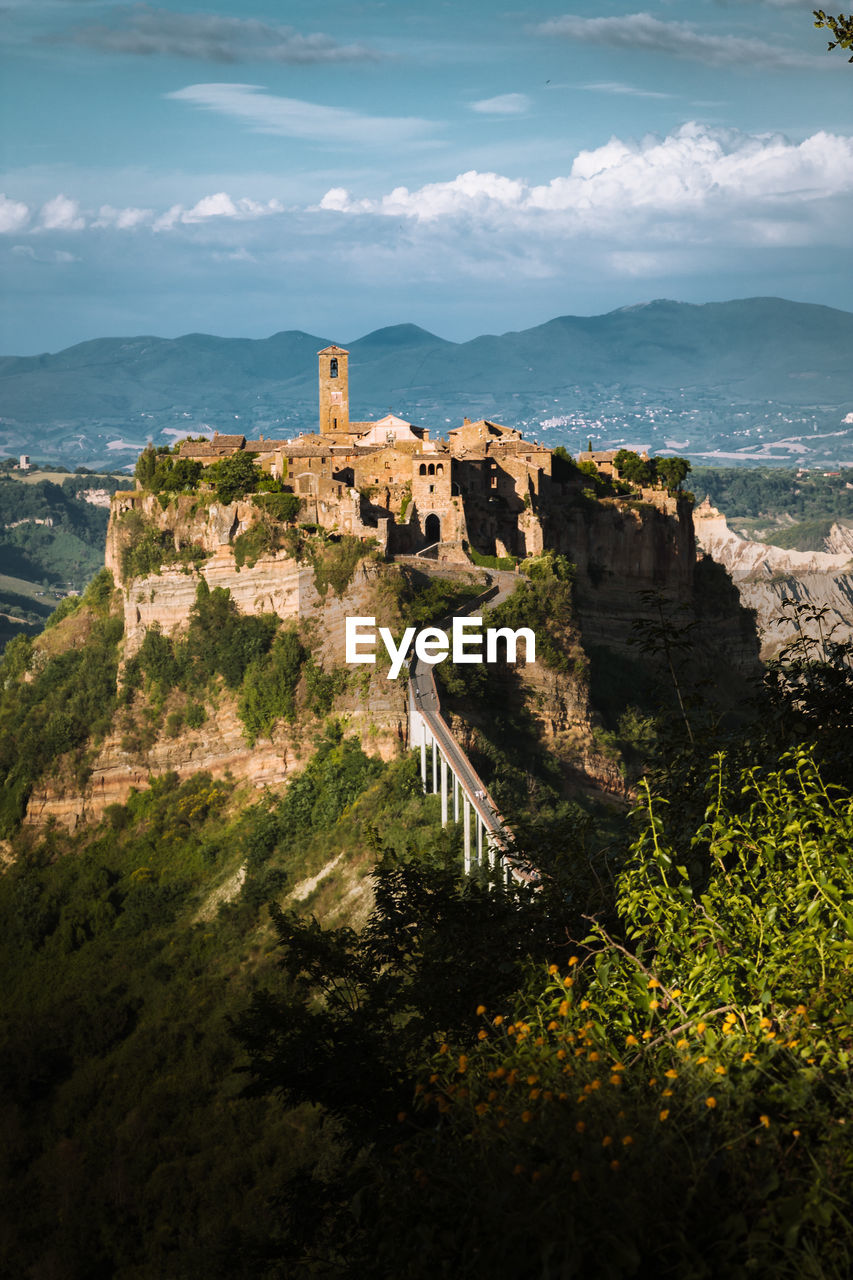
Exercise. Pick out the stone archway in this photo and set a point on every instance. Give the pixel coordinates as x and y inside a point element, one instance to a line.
<point>432,528</point>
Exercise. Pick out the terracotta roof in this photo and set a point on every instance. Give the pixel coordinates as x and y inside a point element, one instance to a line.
<point>341,351</point>
<point>235,442</point>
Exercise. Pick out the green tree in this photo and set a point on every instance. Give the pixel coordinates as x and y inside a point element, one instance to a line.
<point>841,27</point>
<point>234,476</point>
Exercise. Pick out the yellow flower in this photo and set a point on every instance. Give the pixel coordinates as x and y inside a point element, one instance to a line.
<point>482,1035</point>
<point>534,1093</point>
<point>580,1126</point>
<point>596,1084</point>
<point>666,1093</point>
<point>481,1108</point>
<point>711,1102</point>
<point>654,1004</point>
<point>563,1009</point>
<point>801,1009</point>
<point>671,1074</point>
<point>561,1053</point>
<point>747,1057</point>
<point>653,1082</point>
<point>496,1022</point>
<point>445,1048</point>
<point>647,1035</point>
<point>796,1133</point>
<point>700,1027</point>
<point>606,1141</point>
<point>552,969</point>
<point>584,1004</point>
<point>568,982</point>
<point>615,1079</point>
<point>627,1141</point>
<point>731,1017</point>
<point>618,1066</point>
<point>765,1022</point>
<point>552,1026</point>
<point>532,1079</point>
<point>765,1120</point>
<point>562,1097</point>
<point>683,1044</point>
<point>614,1165</point>
<point>481,1009</point>
<point>664,1115</point>
<point>631,1040</point>
<point>463,1062</point>
<point>652,983</point>
<point>699,1061</point>
<point>573,960</point>
<point>720,1071</point>
<point>526,1117</point>
<point>675,993</point>
<point>401,1115</point>
<point>594,1056</point>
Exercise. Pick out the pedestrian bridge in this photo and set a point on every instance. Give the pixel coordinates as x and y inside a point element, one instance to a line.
<point>446,769</point>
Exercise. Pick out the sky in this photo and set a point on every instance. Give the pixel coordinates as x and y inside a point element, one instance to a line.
<point>242,169</point>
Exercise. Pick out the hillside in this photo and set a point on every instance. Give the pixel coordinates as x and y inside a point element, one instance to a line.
<point>664,369</point>
<point>649,1048</point>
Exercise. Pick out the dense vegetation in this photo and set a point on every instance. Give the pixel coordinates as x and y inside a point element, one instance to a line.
<point>773,491</point>
<point>52,705</point>
<point>51,541</point>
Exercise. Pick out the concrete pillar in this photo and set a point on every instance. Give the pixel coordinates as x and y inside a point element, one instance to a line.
<point>479,841</point>
<point>434,766</point>
<point>455,798</point>
<point>423,758</point>
<point>443,792</point>
<point>466,809</point>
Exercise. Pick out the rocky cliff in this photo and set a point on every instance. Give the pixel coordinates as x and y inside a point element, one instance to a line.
<point>767,576</point>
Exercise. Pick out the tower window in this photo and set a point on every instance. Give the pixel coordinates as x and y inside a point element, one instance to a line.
<point>333,367</point>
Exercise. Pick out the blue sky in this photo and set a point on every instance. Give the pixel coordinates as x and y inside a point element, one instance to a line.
<point>178,167</point>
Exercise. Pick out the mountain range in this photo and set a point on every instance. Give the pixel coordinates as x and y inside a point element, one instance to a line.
<point>102,399</point>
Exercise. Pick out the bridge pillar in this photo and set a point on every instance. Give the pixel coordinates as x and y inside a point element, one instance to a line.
<point>479,841</point>
<point>443,792</point>
<point>455,798</point>
<point>466,809</point>
<point>434,766</point>
<point>423,759</point>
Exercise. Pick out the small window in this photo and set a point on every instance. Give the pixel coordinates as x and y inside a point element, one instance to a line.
<point>439,470</point>
<point>494,482</point>
<point>431,469</point>
<point>422,469</point>
<point>333,367</point>
<point>432,488</point>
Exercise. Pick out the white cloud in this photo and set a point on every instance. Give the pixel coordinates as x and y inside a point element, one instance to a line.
<point>643,33</point>
<point>695,173</point>
<point>14,215</point>
<point>143,30</point>
<point>505,104</point>
<point>122,219</point>
<point>293,118</point>
<point>61,214</point>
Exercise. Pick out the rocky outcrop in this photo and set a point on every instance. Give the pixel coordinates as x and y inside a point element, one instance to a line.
<point>767,576</point>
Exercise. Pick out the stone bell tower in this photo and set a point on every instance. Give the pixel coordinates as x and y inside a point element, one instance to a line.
<point>334,389</point>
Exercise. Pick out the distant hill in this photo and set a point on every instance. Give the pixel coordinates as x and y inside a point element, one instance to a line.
<point>752,350</point>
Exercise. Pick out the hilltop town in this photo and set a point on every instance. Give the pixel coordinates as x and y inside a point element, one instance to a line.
<point>486,486</point>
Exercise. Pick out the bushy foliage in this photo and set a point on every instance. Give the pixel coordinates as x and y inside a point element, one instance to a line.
<point>145,549</point>
<point>234,476</point>
<point>68,699</point>
<point>269,688</point>
<point>645,472</point>
<point>160,471</point>
<point>543,601</point>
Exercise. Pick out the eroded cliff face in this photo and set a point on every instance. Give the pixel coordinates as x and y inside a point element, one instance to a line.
<point>766,576</point>
<point>621,549</point>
